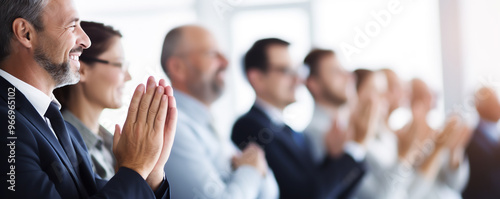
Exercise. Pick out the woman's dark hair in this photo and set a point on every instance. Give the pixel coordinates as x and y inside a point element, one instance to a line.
<point>101,37</point>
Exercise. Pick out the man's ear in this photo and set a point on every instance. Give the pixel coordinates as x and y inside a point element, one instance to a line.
<point>24,32</point>
<point>254,77</point>
<point>176,69</point>
<point>312,85</point>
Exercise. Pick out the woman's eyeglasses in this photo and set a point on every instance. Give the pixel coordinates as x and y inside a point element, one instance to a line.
<point>122,65</point>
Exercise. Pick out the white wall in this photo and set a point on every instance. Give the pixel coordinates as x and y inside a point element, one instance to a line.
<point>472,29</point>
<point>410,42</point>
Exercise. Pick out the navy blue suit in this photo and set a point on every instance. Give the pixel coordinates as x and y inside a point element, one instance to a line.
<point>484,160</point>
<point>297,174</point>
<point>42,168</point>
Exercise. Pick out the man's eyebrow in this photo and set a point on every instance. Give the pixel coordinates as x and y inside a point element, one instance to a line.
<point>76,19</point>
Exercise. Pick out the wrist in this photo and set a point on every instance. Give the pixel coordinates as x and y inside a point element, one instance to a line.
<point>141,171</point>
<point>155,179</point>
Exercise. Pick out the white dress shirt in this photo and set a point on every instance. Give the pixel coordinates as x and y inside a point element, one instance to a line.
<point>448,184</point>
<point>39,100</point>
<point>386,177</point>
<point>490,130</point>
<point>200,162</point>
<point>321,123</point>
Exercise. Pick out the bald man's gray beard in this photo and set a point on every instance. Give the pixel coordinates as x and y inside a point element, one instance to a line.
<point>218,86</point>
<point>60,73</point>
<point>208,90</point>
<point>217,89</point>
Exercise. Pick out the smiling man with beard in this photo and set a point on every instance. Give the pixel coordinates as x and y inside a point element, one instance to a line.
<point>40,43</point>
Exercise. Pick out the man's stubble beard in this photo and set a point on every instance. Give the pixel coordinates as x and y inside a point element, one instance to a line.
<point>61,73</point>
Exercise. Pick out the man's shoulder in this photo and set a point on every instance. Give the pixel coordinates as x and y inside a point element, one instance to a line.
<point>249,120</point>
<point>253,127</point>
<point>253,118</point>
<point>10,116</point>
<point>189,133</point>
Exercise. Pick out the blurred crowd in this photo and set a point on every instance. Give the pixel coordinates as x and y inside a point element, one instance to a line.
<point>58,74</point>
<point>349,150</point>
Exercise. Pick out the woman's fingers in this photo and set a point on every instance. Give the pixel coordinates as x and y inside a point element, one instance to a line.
<point>171,121</point>
<point>160,117</point>
<point>134,104</point>
<point>116,137</point>
<point>145,103</point>
<point>162,83</point>
<point>155,108</point>
<point>169,91</point>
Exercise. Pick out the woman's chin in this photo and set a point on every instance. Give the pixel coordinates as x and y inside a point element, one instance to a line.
<point>114,105</point>
<point>117,106</point>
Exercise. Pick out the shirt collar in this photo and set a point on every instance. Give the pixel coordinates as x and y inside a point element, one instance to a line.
<point>36,97</point>
<point>490,129</point>
<point>321,119</point>
<point>275,114</point>
<point>193,107</point>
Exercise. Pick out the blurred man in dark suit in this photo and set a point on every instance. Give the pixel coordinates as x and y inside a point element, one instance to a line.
<point>484,149</point>
<point>270,72</point>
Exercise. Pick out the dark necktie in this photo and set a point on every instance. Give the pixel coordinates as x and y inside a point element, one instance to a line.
<point>59,127</point>
<point>298,138</point>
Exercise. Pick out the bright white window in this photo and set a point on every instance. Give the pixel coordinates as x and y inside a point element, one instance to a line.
<point>399,34</point>
<point>290,24</point>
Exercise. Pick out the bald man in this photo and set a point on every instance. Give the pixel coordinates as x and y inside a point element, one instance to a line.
<point>484,148</point>
<point>202,165</point>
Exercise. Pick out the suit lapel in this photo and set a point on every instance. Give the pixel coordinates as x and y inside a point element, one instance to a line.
<point>282,137</point>
<point>25,108</point>
<point>85,167</point>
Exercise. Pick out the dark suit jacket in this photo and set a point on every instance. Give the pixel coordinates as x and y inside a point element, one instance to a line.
<point>484,160</point>
<point>41,167</point>
<point>297,175</point>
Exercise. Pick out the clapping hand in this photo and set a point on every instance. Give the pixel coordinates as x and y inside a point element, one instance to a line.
<point>146,140</point>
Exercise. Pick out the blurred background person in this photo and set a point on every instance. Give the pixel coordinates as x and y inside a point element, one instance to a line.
<point>103,73</point>
<point>395,95</point>
<point>484,148</point>
<point>331,87</point>
<point>269,70</point>
<point>387,176</point>
<point>438,155</point>
<point>202,164</point>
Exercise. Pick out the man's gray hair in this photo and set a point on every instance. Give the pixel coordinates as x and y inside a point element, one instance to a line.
<point>31,10</point>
